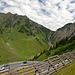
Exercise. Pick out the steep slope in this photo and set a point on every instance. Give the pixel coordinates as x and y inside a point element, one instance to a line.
<point>67,31</point>
<point>61,41</point>
<point>57,51</point>
<point>21,37</point>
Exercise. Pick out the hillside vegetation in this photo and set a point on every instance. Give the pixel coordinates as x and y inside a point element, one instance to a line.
<point>20,38</point>
<point>60,49</point>
<point>62,40</point>
<point>23,39</point>
<point>69,70</point>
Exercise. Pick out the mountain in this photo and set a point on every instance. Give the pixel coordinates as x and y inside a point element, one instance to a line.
<point>66,32</point>
<point>61,41</point>
<point>21,38</point>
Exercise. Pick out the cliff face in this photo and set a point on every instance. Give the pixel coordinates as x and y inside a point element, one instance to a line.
<point>67,31</point>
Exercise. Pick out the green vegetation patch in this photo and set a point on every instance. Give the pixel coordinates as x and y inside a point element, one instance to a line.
<point>69,70</point>
<point>58,51</point>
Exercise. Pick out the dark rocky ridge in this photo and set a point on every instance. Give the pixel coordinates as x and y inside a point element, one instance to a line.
<point>67,31</point>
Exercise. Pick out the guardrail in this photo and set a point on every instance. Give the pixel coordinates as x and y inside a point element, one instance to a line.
<point>45,67</point>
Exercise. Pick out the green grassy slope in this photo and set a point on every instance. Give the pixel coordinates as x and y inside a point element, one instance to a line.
<point>69,70</point>
<point>28,46</point>
<point>5,54</point>
<point>20,38</point>
<point>60,50</point>
<point>20,49</point>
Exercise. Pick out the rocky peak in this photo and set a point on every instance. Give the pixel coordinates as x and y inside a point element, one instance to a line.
<point>65,32</point>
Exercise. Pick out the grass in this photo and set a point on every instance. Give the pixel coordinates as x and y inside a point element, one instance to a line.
<point>21,46</point>
<point>24,71</point>
<point>68,70</point>
<point>21,38</point>
<point>28,70</point>
<point>27,47</point>
<point>3,73</point>
<point>5,54</point>
<point>58,51</point>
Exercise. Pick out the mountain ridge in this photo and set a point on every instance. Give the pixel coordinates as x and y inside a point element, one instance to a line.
<point>23,38</point>
<point>66,31</point>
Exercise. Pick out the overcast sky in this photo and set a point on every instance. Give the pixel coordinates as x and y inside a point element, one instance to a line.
<point>52,14</point>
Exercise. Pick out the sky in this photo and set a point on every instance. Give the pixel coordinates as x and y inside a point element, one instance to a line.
<point>52,14</point>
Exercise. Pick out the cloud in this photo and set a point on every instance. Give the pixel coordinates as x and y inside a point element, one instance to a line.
<point>52,14</point>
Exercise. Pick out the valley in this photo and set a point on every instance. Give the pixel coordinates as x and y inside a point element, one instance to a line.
<point>23,39</point>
